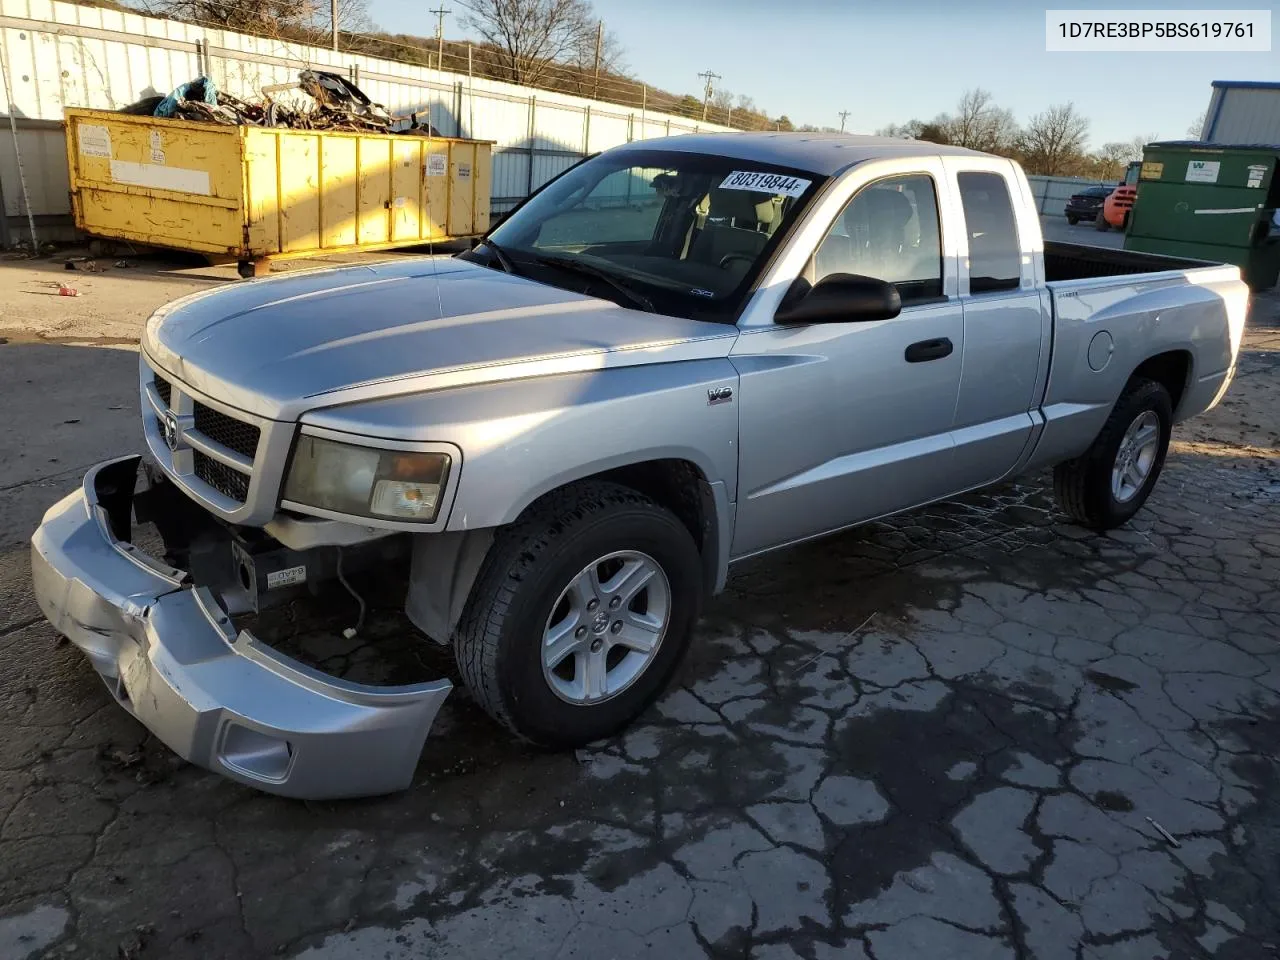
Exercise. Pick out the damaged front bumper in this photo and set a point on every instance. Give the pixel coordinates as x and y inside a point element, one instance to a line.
<point>171,657</point>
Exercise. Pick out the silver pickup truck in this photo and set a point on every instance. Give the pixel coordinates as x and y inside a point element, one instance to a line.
<point>675,355</point>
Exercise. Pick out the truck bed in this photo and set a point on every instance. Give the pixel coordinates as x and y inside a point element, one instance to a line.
<point>1076,261</point>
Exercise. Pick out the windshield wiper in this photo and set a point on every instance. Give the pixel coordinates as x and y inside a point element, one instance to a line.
<point>570,265</point>
<point>500,255</point>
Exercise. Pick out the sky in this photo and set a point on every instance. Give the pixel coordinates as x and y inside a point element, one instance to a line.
<point>889,62</point>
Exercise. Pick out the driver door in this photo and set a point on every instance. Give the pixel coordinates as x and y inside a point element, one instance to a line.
<point>844,422</point>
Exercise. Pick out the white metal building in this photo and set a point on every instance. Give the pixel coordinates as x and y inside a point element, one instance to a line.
<point>55,54</point>
<point>1243,111</point>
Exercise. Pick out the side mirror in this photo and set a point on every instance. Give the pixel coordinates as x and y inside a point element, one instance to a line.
<point>839,298</point>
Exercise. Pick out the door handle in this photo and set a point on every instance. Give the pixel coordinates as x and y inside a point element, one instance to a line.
<point>927,350</point>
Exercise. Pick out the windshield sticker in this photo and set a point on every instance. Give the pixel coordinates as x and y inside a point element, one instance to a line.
<point>776,183</point>
<point>699,292</point>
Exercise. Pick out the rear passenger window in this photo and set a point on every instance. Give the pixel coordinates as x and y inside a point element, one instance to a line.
<point>995,260</point>
<point>888,231</point>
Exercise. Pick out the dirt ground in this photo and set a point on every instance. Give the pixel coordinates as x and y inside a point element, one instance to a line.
<point>972,731</point>
<point>115,294</point>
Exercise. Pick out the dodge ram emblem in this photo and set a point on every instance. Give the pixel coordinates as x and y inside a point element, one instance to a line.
<point>169,428</point>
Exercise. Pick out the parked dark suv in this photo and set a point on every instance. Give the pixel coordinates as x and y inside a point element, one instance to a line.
<point>1086,205</point>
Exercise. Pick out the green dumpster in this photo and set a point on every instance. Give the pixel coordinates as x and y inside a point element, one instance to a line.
<point>1210,201</point>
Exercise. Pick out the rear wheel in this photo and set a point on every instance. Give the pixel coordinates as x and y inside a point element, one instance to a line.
<point>580,614</point>
<point>1110,482</point>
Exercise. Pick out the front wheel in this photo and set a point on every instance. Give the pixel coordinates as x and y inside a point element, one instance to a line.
<point>580,614</point>
<point>1072,219</point>
<point>1109,483</point>
<point>1100,223</point>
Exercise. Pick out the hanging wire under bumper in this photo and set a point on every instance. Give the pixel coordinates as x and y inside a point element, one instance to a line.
<point>170,656</point>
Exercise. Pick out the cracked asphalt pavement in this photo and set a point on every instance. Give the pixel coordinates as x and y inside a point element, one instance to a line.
<point>971,731</point>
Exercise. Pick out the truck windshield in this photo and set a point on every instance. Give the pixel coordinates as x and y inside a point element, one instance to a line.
<point>681,233</point>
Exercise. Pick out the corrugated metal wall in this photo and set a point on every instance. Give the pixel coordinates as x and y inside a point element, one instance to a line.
<point>44,161</point>
<point>1243,115</point>
<point>1051,193</point>
<point>55,55</point>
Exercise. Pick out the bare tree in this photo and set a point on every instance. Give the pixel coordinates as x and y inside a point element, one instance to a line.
<point>907,131</point>
<point>261,17</point>
<point>1054,140</point>
<point>937,130</point>
<point>1138,143</point>
<point>532,36</point>
<point>979,124</point>
<point>265,17</point>
<point>1197,126</point>
<point>583,58</point>
<point>353,16</point>
<point>1112,159</point>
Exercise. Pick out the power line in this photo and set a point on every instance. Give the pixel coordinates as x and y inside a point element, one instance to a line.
<point>711,78</point>
<point>440,13</point>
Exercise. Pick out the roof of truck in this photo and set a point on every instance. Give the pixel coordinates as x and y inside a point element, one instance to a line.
<point>821,153</point>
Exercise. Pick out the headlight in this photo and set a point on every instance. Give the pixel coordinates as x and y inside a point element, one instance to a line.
<point>364,482</point>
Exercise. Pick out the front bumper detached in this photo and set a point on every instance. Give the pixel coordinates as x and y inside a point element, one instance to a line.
<point>170,656</point>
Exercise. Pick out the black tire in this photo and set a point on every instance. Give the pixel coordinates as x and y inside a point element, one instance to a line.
<point>1083,486</point>
<point>1072,219</point>
<point>1100,223</point>
<point>499,639</point>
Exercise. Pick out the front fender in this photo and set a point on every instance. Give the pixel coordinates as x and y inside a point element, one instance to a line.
<point>521,439</point>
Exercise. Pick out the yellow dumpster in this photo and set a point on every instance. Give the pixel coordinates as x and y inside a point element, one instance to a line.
<point>253,194</point>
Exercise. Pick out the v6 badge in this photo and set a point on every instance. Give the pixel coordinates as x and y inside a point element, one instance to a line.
<point>719,395</point>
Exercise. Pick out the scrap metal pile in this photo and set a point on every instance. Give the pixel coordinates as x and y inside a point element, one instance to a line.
<point>317,100</point>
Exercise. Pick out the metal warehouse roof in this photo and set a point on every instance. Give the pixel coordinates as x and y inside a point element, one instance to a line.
<point>1246,85</point>
<point>821,153</point>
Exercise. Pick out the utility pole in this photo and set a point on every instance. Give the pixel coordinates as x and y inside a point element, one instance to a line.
<point>333,19</point>
<point>844,115</point>
<point>440,15</point>
<point>711,79</point>
<point>595,92</point>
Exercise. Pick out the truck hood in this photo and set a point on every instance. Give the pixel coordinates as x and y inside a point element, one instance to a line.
<point>279,347</point>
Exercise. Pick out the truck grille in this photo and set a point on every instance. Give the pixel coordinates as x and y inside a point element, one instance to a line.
<point>231,433</point>
<point>228,482</point>
<point>204,425</point>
